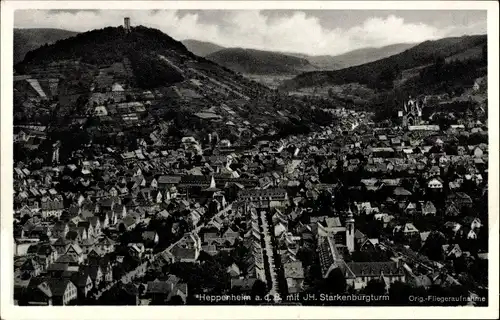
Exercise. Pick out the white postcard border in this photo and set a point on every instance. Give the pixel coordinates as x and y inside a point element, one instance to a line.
<point>8,311</point>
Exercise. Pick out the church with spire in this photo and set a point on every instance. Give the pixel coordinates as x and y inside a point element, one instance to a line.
<point>342,233</point>
<point>334,240</point>
<point>411,113</point>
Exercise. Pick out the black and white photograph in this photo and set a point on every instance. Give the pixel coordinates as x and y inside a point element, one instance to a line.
<point>275,157</point>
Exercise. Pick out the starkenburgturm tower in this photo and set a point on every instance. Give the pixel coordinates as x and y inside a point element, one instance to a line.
<point>126,24</point>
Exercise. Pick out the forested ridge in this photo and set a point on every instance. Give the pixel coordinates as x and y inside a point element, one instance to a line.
<point>378,74</point>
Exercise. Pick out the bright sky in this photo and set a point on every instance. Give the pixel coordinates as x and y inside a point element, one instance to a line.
<point>313,32</point>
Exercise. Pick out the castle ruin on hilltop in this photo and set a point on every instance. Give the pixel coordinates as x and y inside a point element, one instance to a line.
<point>126,24</point>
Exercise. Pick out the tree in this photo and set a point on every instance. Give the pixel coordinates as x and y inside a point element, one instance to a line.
<point>335,283</point>
<point>259,290</point>
<point>433,246</point>
<point>176,301</point>
<point>484,53</point>
<point>375,287</point>
<point>399,294</point>
<point>386,77</point>
<point>43,238</point>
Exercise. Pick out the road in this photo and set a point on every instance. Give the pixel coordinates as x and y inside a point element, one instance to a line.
<point>269,252</point>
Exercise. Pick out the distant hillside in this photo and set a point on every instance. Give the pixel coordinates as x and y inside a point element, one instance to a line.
<point>355,57</point>
<point>198,95</point>
<point>250,61</point>
<point>383,71</point>
<point>201,48</point>
<point>366,55</point>
<point>472,53</point>
<point>323,62</point>
<point>29,39</point>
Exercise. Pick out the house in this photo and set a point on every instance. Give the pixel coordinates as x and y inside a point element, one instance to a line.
<point>401,192</point>
<point>210,232</point>
<point>328,255</point>
<point>230,234</point>
<point>44,252</point>
<point>460,199</point>
<point>128,223</point>
<point>410,208</point>
<point>95,273</point>
<point>423,237</point>
<point>82,281</point>
<point>96,226</point>
<point>51,207</point>
<point>359,237</point>
<point>451,251</point>
<point>478,152</point>
<point>87,226</point>
<point>106,268</point>
<point>165,291</point>
<point>150,237</point>
<point>244,285</point>
<point>428,208</point>
<point>76,252</point>
<point>87,244</point>
<point>193,182</point>
<point>31,268</point>
<point>77,234</point>
<point>452,210</point>
<point>435,184</point>
<point>453,227</point>
<point>272,197</point>
<point>38,292</point>
<point>128,295</point>
<point>51,291</point>
<point>369,245</point>
<point>434,171</point>
<point>294,275</point>
<point>187,249</point>
<point>60,229</point>
<point>471,235</point>
<point>194,218</point>
<point>165,182</point>
<point>475,224</point>
<point>136,250</point>
<point>61,245</point>
<point>358,274</point>
<point>233,271</point>
<point>384,217</point>
<point>421,281</point>
<point>120,212</point>
<point>407,230</point>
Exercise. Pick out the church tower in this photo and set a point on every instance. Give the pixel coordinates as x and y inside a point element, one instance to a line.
<point>55,152</point>
<point>349,234</point>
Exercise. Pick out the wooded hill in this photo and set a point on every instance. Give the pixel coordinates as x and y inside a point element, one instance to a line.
<point>379,73</point>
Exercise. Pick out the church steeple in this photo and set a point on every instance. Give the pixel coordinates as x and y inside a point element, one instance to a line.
<point>350,230</point>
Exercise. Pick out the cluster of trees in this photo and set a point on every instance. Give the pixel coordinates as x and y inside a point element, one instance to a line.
<point>385,79</point>
<point>384,69</point>
<point>309,119</point>
<point>450,77</point>
<point>103,46</point>
<point>251,61</point>
<point>151,72</point>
